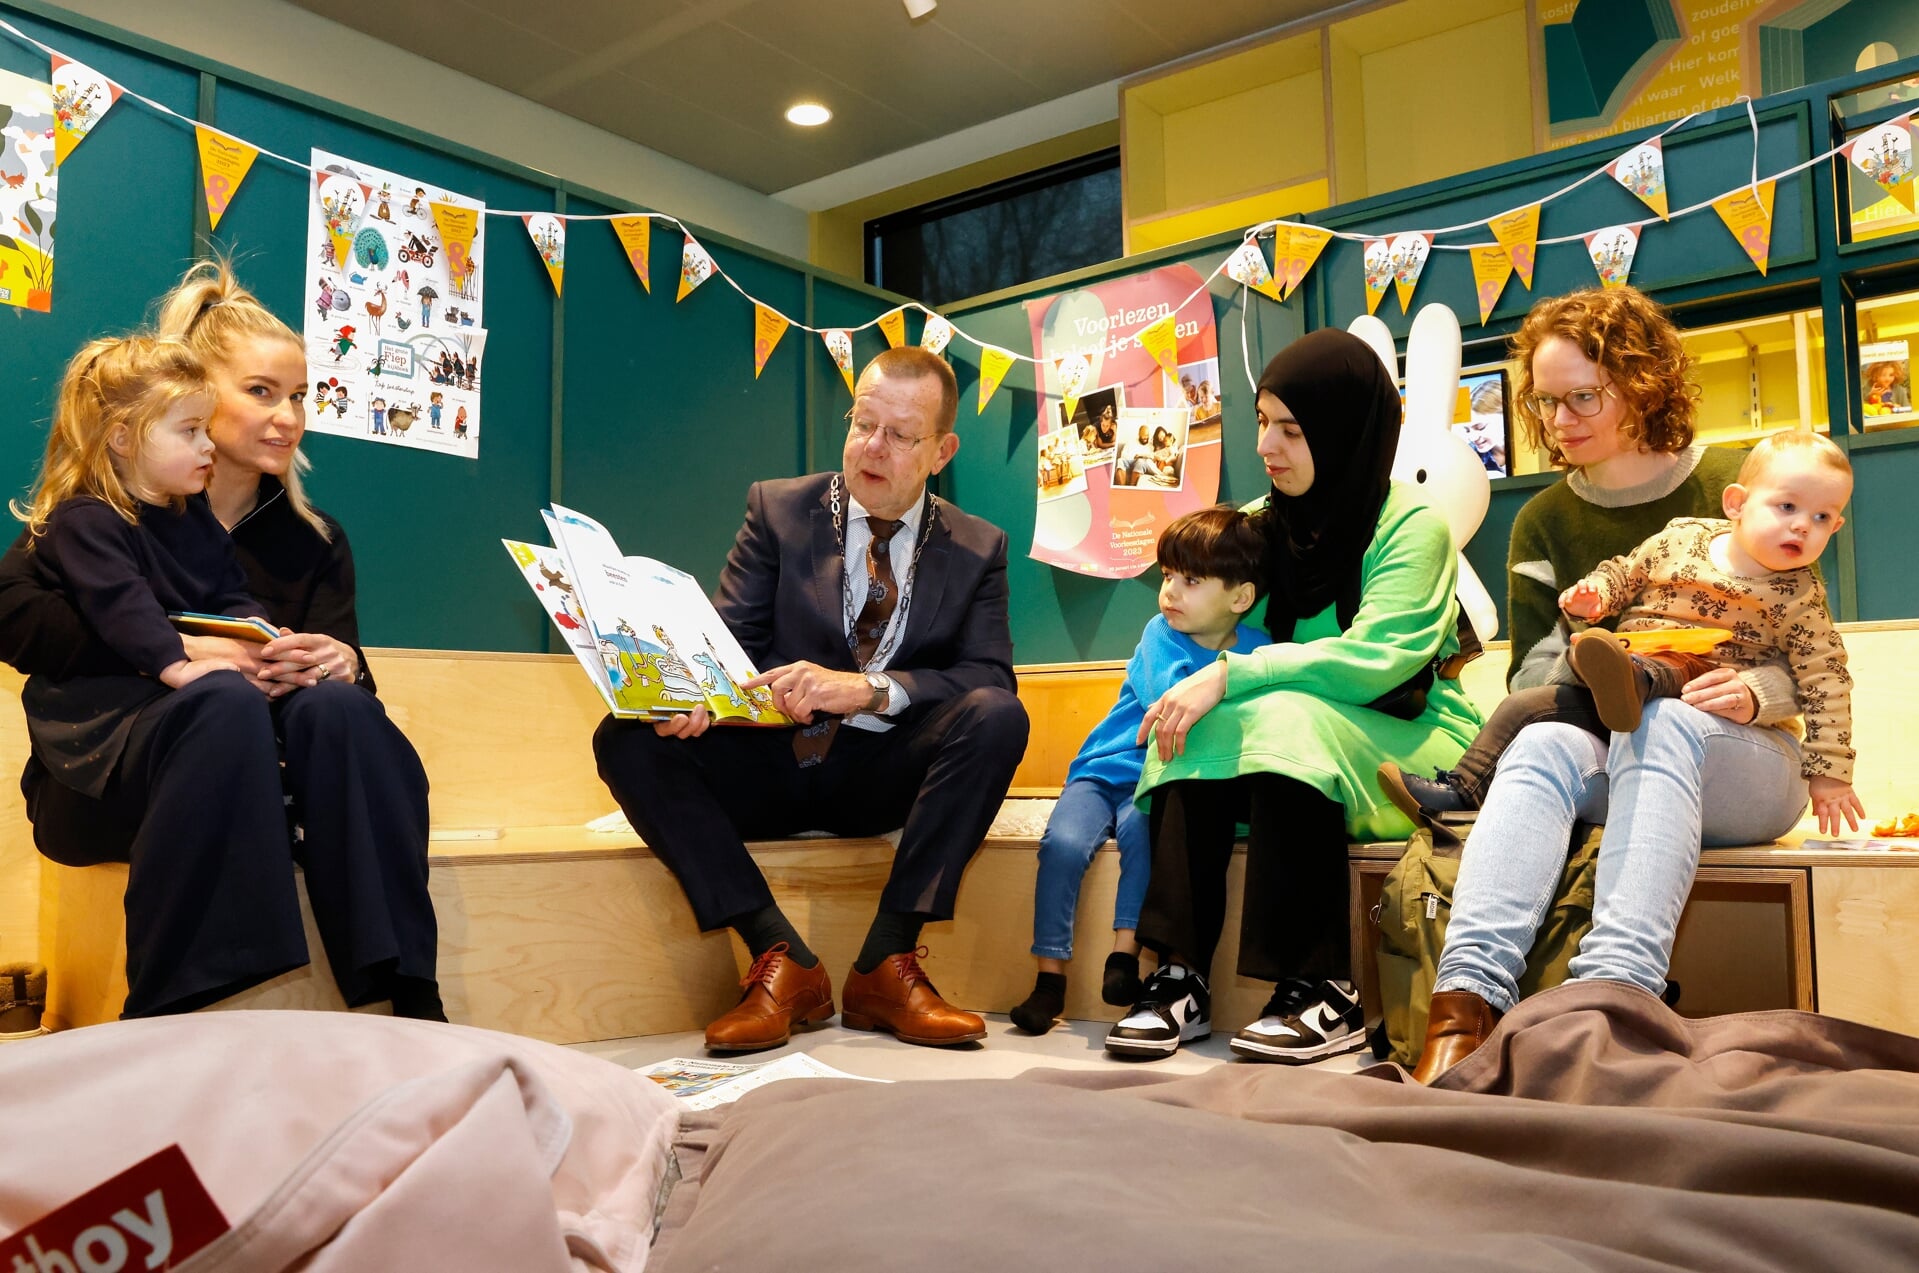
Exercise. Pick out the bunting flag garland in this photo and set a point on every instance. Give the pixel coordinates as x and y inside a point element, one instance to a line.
<point>342,207</point>
<point>839,347</point>
<point>548,233</point>
<point>1072,369</point>
<point>81,98</point>
<point>994,363</point>
<point>224,162</point>
<point>768,326</point>
<point>1884,155</point>
<point>636,236</point>
<point>893,323</point>
<point>1491,268</point>
<point>935,335</point>
<point>1748,214</point>
<point>1302,249</point>
<point>457,228</point>
<point>1642,170</point>
<point>1612,251</point>
<point>1160,338</point>
<point>1518,232</point>
<point>1247,266</point>
<point>1379,272</point>
<point>1409,253</point>
<point>695,268</point>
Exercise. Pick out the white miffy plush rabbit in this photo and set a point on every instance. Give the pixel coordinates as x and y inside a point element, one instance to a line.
<point>1430,454</point>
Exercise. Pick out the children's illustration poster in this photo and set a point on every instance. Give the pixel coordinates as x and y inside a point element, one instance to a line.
<point>28,183</point>
<point>1885,378</point>
<point>1137,447</point>
<point>394,341</point>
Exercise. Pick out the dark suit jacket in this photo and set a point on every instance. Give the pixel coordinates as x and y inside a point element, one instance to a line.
<point>782,594</point>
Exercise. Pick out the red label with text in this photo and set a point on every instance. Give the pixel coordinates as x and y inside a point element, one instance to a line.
<point>153,1215</point>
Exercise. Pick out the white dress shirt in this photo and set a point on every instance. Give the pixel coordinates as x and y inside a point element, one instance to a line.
<point>859,536</point>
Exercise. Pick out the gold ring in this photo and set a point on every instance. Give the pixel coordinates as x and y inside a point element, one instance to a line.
<point>325,672</point>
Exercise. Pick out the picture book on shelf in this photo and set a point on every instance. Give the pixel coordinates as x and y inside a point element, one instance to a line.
<point>644,631</point>
<point>1885,378</point>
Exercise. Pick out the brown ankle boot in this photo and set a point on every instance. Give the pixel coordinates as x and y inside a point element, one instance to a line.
<point>1458,1022</point>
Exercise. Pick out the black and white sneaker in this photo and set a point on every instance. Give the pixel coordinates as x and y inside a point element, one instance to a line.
<point>1174,1007</point>
<point>1305,1021</point>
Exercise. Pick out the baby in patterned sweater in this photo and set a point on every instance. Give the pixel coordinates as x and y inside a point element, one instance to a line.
<point>1751,576</point>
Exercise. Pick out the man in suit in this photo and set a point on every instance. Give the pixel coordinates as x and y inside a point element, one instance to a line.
<point>879,611</point>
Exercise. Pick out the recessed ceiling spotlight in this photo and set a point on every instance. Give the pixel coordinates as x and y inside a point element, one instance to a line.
<point>917,9</point>
<point>807,114</point>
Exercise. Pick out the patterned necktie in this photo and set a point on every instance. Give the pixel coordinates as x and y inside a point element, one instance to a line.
<point>882,599</point>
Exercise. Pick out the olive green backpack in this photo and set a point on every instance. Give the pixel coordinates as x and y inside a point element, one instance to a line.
<point>1411,917</point>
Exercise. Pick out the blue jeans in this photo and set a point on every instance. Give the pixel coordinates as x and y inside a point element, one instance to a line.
<point>1089,812</point>
<point>1683,779</point>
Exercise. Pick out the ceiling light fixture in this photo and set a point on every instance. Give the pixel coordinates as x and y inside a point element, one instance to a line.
<point>807,114</point>
<point>917,9</point>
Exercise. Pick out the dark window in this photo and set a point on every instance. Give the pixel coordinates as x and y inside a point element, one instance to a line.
<point>1048,222</point>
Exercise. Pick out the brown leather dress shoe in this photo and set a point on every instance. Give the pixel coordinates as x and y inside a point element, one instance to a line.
<point>779,994</point>
<point>898,998</point>
<point>1457,1024</point>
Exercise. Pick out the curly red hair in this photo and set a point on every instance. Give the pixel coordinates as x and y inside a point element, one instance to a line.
<point>1635,340</point>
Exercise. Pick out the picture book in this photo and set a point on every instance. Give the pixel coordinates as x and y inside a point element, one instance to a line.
<point>1885,378</point>
<point>704,1084</point>
<point>643,630</point>
<point>193,623</point>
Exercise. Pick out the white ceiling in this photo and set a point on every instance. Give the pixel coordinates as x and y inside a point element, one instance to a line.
<point>708,81</point>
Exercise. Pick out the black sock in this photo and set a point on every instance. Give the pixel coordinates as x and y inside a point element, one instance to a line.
<point>1043,1006</point>
<point>891,934</point>
<point>1121,984</point>
<point>766,928</point>
<point>418,998</point>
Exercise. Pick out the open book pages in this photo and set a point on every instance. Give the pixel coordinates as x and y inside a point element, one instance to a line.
<point>705,1084</point>
<point>644,631</point>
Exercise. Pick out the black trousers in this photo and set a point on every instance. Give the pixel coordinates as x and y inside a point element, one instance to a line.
<point>1293,912</point>
<point>696,801</point>
<point>1570,704</point>
<point>197,807</point>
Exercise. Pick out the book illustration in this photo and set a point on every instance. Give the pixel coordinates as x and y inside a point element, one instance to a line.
<point>643,631</point>
<point>703,1084</point>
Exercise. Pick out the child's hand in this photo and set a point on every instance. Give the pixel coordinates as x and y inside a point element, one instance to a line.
<point>1832,799</point>
<point>1581,601</point>
<point>187,671</point>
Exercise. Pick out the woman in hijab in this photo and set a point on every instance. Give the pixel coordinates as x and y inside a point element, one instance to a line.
<point>1286,739</point>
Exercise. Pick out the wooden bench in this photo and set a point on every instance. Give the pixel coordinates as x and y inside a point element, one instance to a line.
<point>556,932</point>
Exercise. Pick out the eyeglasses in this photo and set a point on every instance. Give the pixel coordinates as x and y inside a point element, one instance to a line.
<point>1584,403</point>
<point>899,443</point>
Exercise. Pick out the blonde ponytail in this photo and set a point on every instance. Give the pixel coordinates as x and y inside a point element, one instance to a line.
<point>214,314</point>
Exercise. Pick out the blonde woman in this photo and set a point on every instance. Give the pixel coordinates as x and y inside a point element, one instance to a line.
<point>189,787</point>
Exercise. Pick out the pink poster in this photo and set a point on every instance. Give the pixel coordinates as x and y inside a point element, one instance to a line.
<point>1136,446</point>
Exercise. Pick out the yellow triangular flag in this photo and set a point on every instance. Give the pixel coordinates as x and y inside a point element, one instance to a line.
<point>936,334</point>
<point>1491,268</point>
<point>1642,170</point>
<point>1073,370</point>
<point>1612,250</point>
<point>548,233</point>
<point>696,266</point>
<point>1748,214</point>
<point>1247,265</point>
<point>636,236</point>
<point>1518,232</point>
<point>839,346</point>
<point>1409,253</point>
<point>342,207</point>
<point>1161,339</point>
<point>1303,247</point>
<point>1378,266</point>
<point>224,162</point>
<point>893,323</point>
<point>994,363</point>
<point>81,98</point>
<point>457,228</point>
<point>768,326</point>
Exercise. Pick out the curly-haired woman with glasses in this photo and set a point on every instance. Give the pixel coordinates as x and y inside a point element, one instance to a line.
<point>1604,390</point>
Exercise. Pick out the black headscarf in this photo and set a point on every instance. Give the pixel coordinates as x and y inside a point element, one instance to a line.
<point>1348,408</point>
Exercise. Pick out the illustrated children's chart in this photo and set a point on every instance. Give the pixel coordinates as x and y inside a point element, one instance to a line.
<point>28,180</point>
<point>1128,435</point>
<point>394,341</point>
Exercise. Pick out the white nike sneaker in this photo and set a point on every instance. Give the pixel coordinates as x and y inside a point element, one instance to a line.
<point>1174,1007</point>
<point>1305,1021</point>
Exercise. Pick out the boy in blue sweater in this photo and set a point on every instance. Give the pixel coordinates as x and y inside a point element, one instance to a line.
<point>1212,565</point>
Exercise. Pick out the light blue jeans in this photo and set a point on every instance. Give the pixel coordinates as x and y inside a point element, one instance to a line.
<point>1683,779</point>
<point>1089,813</point>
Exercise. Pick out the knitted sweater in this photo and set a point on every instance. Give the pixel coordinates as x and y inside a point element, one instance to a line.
<point>1671,581</point>
<point>1572,525</point>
